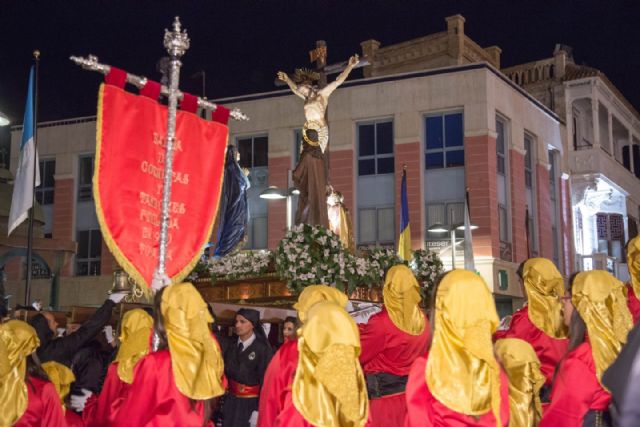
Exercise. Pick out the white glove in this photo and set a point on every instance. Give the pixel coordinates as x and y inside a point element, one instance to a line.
<point>77,402</point>
<point>117,296</point>
<point>108,333</point>
<point>253,421</point>
<point>159,281</point>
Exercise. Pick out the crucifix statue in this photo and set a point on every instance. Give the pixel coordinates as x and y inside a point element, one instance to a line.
<point>311,173</point>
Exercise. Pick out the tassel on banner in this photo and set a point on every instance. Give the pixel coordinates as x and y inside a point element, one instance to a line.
<point>151,90</point>
<point>221,115</point>
<point>189,103</point>
<point>116,77</point>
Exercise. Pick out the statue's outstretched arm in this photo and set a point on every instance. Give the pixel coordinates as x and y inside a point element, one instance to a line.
<point>294,88</point>
<point>328,89</point>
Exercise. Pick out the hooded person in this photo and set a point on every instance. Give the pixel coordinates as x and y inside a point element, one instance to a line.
<point>176,385</point>
<point>278,379</point>
<point>27,397</point>
<point>599,321</point>
<point>135,337</point>
<point>62,377</point>
<point>633,287</point>
<point>520,362</point>
<point>540,321</point>
<point>459,382</point>
<point>329,389</point>
<point>391,341</point>
<point>246,360</point>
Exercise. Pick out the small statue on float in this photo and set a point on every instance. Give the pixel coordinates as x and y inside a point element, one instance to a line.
<point>339,220</point>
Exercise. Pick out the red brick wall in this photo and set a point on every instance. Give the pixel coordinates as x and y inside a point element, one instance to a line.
<point>409,154</point>
<point>567,227</point>
<point>107,261</point>
<point>545,212</point>
<point>341,174</point>
<point>518,207</point>
<point>277,209</point>
<point>63,215</point>
<point>480,175</point>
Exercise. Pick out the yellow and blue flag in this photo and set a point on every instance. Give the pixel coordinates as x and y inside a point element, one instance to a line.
<point>404,242</point>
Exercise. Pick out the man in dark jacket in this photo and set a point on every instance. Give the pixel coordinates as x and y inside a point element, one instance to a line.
<point>62,350</point>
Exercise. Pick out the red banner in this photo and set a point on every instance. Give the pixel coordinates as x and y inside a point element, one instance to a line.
<point>127,183</point>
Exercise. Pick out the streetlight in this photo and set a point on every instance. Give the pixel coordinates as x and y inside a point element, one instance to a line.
<point>275,193</point>
<point>4,120</point>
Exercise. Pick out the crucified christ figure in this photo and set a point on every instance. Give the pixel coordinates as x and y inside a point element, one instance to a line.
<point>316,99</point>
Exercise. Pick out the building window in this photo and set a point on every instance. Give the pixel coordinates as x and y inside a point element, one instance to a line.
<point>253,151</point>
<point>375,148</point>
<point>501,147</point>
<point>610,229</point>
<point>85,176</point>
<point>376,226</point>
<point>297,145</point>
<point>530,193</point>
<point>89,251</point>
<point>555,205</point>
<point>254,156</point>
<point>444,141</point>
<point>45,193</point>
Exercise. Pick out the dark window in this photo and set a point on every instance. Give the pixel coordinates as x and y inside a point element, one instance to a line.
<point>444,141</point>
<point>45,193</point>
<point>253,151</point>
<point>375,148</point>
<point>636,160</point>
<point>529,146</point>
<point>85,176</point>
<point>501,148</point>
<point>89,252</point>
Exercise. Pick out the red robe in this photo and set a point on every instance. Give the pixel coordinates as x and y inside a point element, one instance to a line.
<point>576,390</point>
<point>154,400</point>
<point>424,410</point>
<point>385,348</point>
<point>102,410</point>
<point>43,408</point>
<point>634,304</point>
<point>549,350</point>
<point>276,405</point>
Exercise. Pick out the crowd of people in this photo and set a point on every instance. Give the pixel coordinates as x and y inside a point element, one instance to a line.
<point>569,357</point>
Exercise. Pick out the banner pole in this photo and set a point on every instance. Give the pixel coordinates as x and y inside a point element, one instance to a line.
<point>176,42</point>
<point>27,293</point>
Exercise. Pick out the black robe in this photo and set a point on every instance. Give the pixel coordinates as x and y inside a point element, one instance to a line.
<point>248,368</point>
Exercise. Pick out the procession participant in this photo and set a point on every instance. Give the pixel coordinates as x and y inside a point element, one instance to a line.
<point>459,382</point>
<point>522,366</point>
<point>27,397</point>
<point>61,377</point>
<point>540,321</point>
<point>135,335</point>
<point>246,361</point>
<point>177,384</point>
<point>391,341</point>
<point>279,375</point>
<point>633,287</point>
<point>599,321</point>
<point>63,349</point>
<point>289,328</point>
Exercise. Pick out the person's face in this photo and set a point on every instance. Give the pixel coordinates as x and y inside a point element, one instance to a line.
<point>288,330</point>
<point>244,327</point>
<point>51,321</point>
<point>567,309</point>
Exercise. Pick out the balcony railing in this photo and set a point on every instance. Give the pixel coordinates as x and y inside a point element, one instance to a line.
<point>582,144</point>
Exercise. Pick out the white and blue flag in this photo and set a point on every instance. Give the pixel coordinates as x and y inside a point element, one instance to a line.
<point>23,186</point>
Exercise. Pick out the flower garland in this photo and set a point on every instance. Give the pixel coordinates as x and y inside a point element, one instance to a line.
<point>426,266</point>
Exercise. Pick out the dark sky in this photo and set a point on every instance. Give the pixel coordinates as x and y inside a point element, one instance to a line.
<point>241,44</point>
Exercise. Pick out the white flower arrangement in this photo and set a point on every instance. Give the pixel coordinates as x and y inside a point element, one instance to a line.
<point>241,265</point>
<point>426,266</point>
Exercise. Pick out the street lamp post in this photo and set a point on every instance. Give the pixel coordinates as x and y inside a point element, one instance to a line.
<point>275,193</point>
<point>441,228</point>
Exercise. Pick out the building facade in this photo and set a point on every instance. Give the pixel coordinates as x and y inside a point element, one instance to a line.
<point>603,149</point>
<point>438,105</point>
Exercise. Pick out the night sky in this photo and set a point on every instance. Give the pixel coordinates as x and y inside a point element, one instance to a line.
<point>241,44</point>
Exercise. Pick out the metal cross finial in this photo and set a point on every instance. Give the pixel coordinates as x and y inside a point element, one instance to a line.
<point>177,41</point>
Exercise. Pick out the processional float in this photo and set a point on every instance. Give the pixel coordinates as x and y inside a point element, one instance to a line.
<point>154,165</point>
